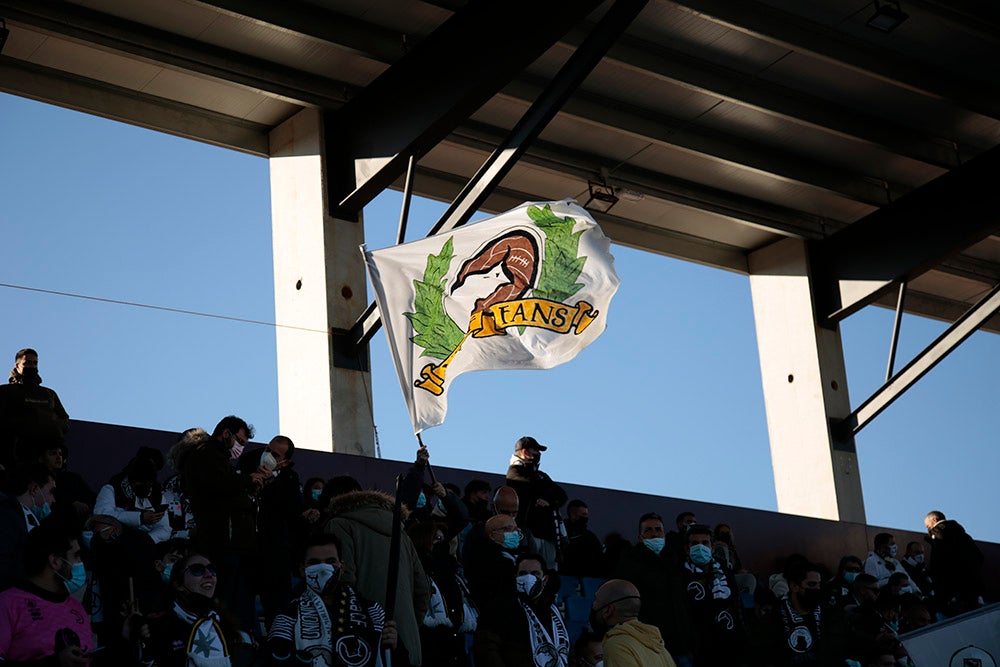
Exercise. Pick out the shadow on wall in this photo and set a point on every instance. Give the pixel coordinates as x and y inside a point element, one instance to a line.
<point>764,539</point>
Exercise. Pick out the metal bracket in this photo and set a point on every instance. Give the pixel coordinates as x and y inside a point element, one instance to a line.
<point>954,336</point>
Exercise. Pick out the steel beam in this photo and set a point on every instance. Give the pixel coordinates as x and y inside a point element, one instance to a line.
<point>736,151</point>
<point>181,53</point>
<point>972,320</point>
<point>502,160</point>
<point>858,264</point>
<point>666,64</point>
<point>155,113</point>
<point>418,101</point>
<point>770,24</point>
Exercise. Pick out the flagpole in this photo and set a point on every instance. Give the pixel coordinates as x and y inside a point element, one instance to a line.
<point>430,470</point>
<point>393,576</point>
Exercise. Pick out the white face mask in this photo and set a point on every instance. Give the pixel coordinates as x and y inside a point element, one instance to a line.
<point>917,560</point>
<point>892,551</point>
<point>236,449</point>
<point>526,584</point>
<point>268,461</point>
<point>318,575</point>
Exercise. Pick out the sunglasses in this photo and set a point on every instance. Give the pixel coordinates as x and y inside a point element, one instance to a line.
<point>200,569</point>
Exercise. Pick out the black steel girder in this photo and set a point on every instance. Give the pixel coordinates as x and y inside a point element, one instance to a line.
<point>858,264</point>
<point>418,101</point>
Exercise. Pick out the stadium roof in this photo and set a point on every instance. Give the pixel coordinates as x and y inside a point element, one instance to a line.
<point>720,126</point>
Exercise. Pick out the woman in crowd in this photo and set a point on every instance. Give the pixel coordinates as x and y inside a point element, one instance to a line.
<point>194,630</point>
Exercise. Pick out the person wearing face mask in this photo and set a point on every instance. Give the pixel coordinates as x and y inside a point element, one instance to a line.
<point>720,635</point>
<point>489,558</point>
<point>956,565</point>
<point>57,630</point>
<point>451,616</point>
<point>840,586</point>
<point>194,629</point>
<point>628,642</point>
<point>656,572</point>
<point>583,555</point>
<point>222,501</point>
<point>881,562</point>
<point>526,629</point>
<point>363,522</point>
<point>540,497</point>
<point>26,501</point>
<point>802,630</point>
<point>32,418</point>
<point>916,567</point>
<point>281,523</point>
<point>431,502</point>
<point>329,624</point>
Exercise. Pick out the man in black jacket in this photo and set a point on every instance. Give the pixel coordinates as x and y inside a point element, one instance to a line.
<point>956,565</point>
<point>540,497</point>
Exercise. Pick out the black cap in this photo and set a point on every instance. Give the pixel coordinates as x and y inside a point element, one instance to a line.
<point>527,442</point>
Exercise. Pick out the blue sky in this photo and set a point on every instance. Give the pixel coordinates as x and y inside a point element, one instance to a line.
<point>668,401</point>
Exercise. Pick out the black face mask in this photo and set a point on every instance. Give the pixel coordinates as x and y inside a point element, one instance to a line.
<point>811,598</point>
<point>31,376</point>
<point>441,550</point>
<point>597,623</point>
<point>581,523</point>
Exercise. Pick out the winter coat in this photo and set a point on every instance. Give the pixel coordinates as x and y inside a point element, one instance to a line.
<point>635,644</point>
<point>220,499</point>
<point>362,522</point>
<point>531,485</point>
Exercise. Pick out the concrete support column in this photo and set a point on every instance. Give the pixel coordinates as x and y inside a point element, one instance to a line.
<point>319,284</point>
<point>805,386</point>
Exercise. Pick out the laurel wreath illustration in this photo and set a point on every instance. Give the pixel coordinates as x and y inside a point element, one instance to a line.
<point>438,334</point>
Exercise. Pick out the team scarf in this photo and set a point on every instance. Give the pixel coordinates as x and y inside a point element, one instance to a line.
<point>437,608</point>
<point>547,649</point>
<point>802,635</point>
<point>206,645</point>
<point>354,641</point>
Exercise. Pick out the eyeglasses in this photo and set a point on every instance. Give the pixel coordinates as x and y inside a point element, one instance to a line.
<point>200,569</point>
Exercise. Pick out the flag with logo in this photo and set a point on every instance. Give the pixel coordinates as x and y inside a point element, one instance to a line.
<point>529,288</point>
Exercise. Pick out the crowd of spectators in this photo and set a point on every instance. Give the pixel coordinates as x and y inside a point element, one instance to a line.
<point>216,554</point>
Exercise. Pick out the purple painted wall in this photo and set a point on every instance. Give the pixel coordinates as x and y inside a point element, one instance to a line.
<point>98,451</point>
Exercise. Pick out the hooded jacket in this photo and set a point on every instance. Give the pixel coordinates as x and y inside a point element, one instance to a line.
<point>634,643</point>
<point>362,522</point>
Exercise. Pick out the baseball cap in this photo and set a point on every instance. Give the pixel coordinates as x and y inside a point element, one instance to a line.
<point>527,442</point>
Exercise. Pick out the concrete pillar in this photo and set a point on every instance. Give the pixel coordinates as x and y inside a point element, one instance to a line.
<point>319,284</point>
<point>805,386</point>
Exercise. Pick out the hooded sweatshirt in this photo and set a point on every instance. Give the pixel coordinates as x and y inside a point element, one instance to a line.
<point>362,522</point>
<point>634,643</point>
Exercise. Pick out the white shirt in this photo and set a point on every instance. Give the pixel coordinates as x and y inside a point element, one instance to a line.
<point>105,504</point>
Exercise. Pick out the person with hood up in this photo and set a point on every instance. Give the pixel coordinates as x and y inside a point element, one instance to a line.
<point>362,521</point>
<point>627,641</point>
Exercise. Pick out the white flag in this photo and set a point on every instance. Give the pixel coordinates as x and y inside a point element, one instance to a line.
<point>529,288</point>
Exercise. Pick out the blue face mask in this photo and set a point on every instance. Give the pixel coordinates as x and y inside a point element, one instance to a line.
<point>511,540</point>
<point>700,554</point>
<point>315,493</point>
<point>167,569</point>
<point>421,501</point>
<point>77,579</point>
<point>893,625</point>
<point>42,511</point>
<point>849,577</point>
<point>655,544</point>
